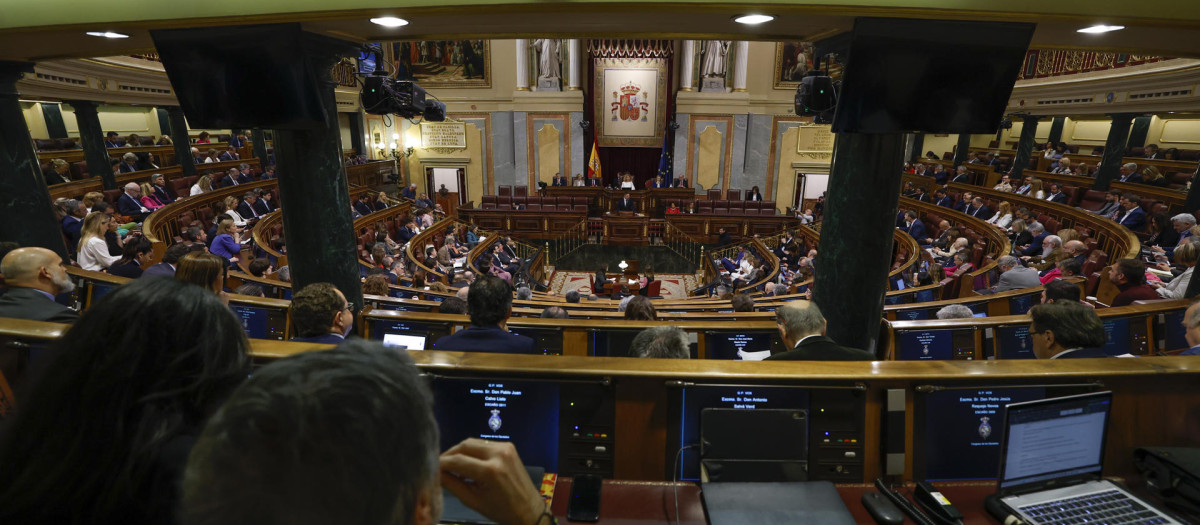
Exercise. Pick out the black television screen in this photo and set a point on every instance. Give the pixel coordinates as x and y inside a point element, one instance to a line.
<point>915,314</point>
<point>905,75</point>
<point>920,345</point>
<point>525,413</point>
<point>1013,342</point>
<point>735,345</point>
<point>366,63</point>
<point>612,343</point>
<point>960,438</point>
<point>262,322</point>
<point>695,399</point>
<point>429,332</point>
<point>1021,304</point>
<point>1174,332</point>
<point>548,340</point>
<point>250,76</point>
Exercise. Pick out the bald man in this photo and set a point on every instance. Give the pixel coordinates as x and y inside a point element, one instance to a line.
<point>802,328</point>
<point>34,276</point>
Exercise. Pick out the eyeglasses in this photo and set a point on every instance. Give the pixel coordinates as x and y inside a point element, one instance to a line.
<point>349,306</point>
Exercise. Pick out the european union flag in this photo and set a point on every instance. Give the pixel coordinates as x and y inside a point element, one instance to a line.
<point>666,167</point>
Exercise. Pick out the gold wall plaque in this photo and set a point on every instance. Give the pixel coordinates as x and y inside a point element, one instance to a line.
<point>450,135</point>
<point>814,139</point>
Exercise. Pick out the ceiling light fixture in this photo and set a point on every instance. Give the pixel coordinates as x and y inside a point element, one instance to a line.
<point>1100,28</point>
<point>389,21</point>
<point>107,34</point>
<point>753,19</point>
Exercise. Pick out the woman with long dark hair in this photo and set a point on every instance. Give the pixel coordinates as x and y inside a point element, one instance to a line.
<point>103,437</point>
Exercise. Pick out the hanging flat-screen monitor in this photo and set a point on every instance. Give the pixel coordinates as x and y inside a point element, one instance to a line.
<point>252,76</point>
<point>933,76</point>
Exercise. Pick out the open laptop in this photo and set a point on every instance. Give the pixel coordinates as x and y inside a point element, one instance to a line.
<point>1052,453</point>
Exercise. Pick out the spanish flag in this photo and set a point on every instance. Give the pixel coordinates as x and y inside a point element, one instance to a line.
<point>594,163</point>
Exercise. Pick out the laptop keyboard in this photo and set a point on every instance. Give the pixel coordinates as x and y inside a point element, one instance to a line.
<point>1110,507</point>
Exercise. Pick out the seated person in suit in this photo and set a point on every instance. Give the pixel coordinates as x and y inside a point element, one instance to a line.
<point>1063,330</point>
<point>559,180</point>
<point>128,163</point>
<point>160,188</point>
<point>802,328</point>
<point>321,314</point>
<point>112,140</point>
<point>489,303</point>
<point>424,202</point>
<point>242,471</point>
<point>170,259</point>
<point>130,203</point>
<point>34,276</point>
<point>229,154</point>
<point>626,203</point>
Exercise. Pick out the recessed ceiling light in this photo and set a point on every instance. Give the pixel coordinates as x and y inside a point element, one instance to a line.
<point>107,34</point>
<point>753,19</point>
<point>1100,28</point>
<point>389,21</point>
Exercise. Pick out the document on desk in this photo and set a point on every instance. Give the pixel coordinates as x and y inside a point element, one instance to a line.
<point>775,503</point>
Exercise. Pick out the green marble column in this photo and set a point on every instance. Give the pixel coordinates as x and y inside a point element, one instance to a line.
<point>356,133</point>
<point>856,236</point>
<point>1114,151</point>
<point>316,198</point>
<point>1025,146</point>
<point>960,152</point>
<point>1056,129</point>
<point>25,213</point>
<point>55,127</point>
<point>258,139</point>
<point>1138,131</point>
<point>918,147</point>
<point>91,138</point>
<point>181,141</point>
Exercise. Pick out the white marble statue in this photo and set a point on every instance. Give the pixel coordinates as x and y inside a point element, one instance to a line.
<point>714,58</point>
<point>549,61</point>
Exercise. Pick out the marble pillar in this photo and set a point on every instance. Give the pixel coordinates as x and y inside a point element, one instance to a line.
<point>318,226</point>
<point>91,139</point>
<point>181,142</point>
<point>574,63</point>
<point>856,237</point>
<point>960,152</point>
<point>1024,146</point>
<point>740,65</point>
<point>1114,151</point>
<point>687,69</point>
<point>26,216</point>
<point>522,64</point>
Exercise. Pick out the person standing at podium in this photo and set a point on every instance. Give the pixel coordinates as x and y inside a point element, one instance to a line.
<point>626,204</point>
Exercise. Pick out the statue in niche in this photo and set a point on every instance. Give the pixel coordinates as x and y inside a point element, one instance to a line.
<point>714,58</point>
<point>549,61</point>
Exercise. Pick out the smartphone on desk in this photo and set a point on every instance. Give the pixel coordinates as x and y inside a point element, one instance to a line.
<point>585,498</point>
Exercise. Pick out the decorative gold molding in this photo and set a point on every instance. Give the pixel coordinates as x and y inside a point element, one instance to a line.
<point>530,117</point>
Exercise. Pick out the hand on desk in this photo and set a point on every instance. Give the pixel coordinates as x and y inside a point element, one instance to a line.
<point>489,477</point>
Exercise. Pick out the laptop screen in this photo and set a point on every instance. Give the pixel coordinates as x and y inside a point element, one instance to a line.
<point>1054,439</point>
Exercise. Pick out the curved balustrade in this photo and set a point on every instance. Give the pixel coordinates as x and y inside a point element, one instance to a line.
<point>267,223</point>
<point>76,189</point>
<point>372,220</point>
<point>996,243</point>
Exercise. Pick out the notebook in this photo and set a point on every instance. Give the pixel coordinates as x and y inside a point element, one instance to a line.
<point>1052,453</point>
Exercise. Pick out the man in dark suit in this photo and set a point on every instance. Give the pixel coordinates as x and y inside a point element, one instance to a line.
<point>1129,173</point>
<point>363,205</point>
<point>595,182</point>
<point>407,232</point>
<point>489,303</point>
<point>802,328</point>
<point>229,154</point>
<point>129,203</point>
<point>169,262</point>
<point>626,204</point>
<point>235,178</point>
<point>723,238</point>
<point>920,194</point>
<point>262,205</point>
<point>268,173</point>
<point>1065,330</point>
<point>423,202</point>
<point>964,202</point>
<point>559,180</point>
<point>159,183</point>
<point>1134,217</point>
<point>961,177</point>
<point>914,227</point>
<point>410,192</point>
<point>34,276</point>
<point>1056,193</point>
<point>681,182</point>
<point>978,210</point>
<point>128,163</point>
<point>505,261</point>
<point>247,209</point>
<point>941,199</point>
<point>112,140</point>
<point>72,223</point>
<point>321,314</point>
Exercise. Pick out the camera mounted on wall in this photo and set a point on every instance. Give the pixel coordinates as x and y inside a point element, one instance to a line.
<point>382,95</point>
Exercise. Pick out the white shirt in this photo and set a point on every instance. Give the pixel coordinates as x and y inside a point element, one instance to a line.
<point>1002,222</point>
<point>1177,286</point>
<point>93,255</point>
<point>237,217</point>
<point>578,183</point>
<point>196,190</point>
<point>627,185</point>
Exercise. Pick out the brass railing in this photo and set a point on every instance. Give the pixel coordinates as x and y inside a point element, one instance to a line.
<point>684,245</point>
<point>572,239</point>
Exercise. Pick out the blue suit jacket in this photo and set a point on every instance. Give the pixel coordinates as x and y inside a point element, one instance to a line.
<point>325,339</point>
<point>161,268</point>
<point>1134,219</point>
<point>1035,246</point>
<point>1195,350</point>
<point>129,206</point>
<point>1061,197</point>
<point>917,230</point>
<point>946,202</point>
<point>486,339</point>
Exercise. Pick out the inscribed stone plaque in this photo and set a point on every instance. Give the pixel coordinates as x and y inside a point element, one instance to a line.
<point>443,135</point>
